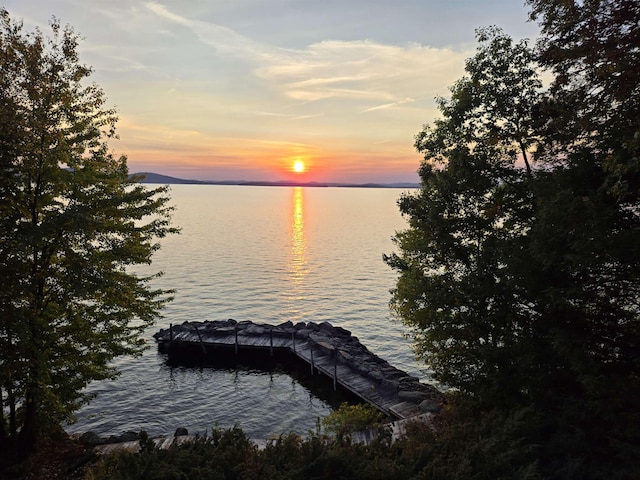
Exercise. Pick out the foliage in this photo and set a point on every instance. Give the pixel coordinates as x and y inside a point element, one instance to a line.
<point>519,272</point>
<point>228,454</point>
<point>593,107</point>
<point>348,419</point>
<point>73,225</point>
<point>467,223</point>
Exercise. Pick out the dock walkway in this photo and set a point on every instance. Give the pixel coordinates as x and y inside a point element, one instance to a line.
<point>327,350</point>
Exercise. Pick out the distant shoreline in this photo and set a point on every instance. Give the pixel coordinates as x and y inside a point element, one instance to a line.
<point>150,177</point>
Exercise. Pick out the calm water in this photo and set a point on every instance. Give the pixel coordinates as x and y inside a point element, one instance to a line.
<point>264,254</point>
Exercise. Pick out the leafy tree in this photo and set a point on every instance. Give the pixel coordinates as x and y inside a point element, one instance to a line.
<point>468,221</point>
<point>593,108</point>
<point>72,226</point>
<point>521,283</point>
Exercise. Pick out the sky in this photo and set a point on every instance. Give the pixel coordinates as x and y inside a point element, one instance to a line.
<point>243,89</point>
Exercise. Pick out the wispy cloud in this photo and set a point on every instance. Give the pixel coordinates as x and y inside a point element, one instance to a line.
<point>357,70</point>
<point>224,40</point>
<point>389,105</point>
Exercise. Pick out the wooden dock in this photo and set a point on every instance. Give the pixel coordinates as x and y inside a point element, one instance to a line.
<point>325,349</point>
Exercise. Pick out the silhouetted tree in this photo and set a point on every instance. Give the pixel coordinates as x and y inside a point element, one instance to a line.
<point>521,284</point>
<point>72,227</point>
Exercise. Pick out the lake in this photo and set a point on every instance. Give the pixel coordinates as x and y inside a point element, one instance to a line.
<point>265,254</point>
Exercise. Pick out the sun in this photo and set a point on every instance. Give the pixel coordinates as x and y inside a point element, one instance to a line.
<point>298,166</point>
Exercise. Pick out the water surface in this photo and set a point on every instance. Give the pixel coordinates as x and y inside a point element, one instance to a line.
<point>265,254</point>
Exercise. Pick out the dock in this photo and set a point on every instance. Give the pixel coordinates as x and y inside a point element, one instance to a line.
<point>325,349</point>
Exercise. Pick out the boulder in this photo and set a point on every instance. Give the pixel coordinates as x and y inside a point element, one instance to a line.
<point>326,348</point>
<point>319,338</point>
<point>411,396</point>
<point>254,329</point>
<point>91,438</point>
<point>346,356</point>
<point>429,406</point>
<point>343,332</point>
<point>128,436</point>
<point>326,326</point>
<point>181,432</point>
<point>303,333</point>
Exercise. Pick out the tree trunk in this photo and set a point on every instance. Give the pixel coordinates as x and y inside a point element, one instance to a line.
<point>3,429</point>
<point>27,441</point>
<point>13,428</point>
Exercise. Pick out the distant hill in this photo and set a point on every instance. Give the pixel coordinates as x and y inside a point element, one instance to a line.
<point>150,177</point>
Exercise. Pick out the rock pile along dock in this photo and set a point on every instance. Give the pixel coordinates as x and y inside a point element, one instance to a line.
<point>326,349</point>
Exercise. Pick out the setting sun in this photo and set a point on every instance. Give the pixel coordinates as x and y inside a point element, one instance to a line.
<point>298,166</point>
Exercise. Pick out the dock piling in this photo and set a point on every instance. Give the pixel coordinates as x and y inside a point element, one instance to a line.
<point>236,341</point>
<point>204,349</point>
<point>271,342</point>
<point>312,360</point>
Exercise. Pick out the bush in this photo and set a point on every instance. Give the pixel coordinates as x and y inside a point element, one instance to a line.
<point>348,419</point>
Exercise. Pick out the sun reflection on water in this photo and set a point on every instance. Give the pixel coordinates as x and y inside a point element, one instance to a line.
<point>298,268</point>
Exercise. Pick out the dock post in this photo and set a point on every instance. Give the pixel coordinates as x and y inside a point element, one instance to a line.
<point>236,345</point>
<point>204,350</point>
<point>335,371</point>
<point>311,359</point>
<point>271,341</point>
<point>170,334</point>
<point>293,337</point>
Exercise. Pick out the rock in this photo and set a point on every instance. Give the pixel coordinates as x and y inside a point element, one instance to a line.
<point>303,333</point>
<point>326,348</point>
<point>319,338</point>
<point>390,384</point>
<point>342,331</point>
<point>181,432</point>
<point>346,356</point>
<point>429,406</point>
<point>255,329</point>
<point>91,438</point>
<point>287,324</point>
<point>123,437</point>
<point>327,327</point>
<point>411,396</point>
<point>231,321</point>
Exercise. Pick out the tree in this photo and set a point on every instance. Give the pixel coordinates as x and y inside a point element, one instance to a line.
<point>521,285</point>
<point>468,222</point>
<point>73,227</point>
<point>593,107</point>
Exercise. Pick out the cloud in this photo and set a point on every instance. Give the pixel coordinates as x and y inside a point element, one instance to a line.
<point>360,70</point>
<point>224,40</point>
<point>364,70</point>
<point>389,105</point>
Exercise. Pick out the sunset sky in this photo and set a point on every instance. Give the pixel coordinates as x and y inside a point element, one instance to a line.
<point>242,89</point>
